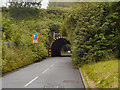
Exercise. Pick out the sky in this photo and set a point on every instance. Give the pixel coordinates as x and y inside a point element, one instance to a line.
<point>3,2</point>
<point>44,4</point>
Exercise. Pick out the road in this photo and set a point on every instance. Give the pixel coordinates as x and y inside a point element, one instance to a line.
<point>54,72</point>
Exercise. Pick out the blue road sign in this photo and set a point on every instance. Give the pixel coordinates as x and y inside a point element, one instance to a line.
<point>35,37</point>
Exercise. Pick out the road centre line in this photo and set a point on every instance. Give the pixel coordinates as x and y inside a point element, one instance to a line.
<point>45,70</point>
<point>52,65</point>
<point>31,81</point>
<point>38,76</point>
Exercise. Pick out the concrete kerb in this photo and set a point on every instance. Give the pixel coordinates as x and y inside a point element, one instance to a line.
<point>85,85</point>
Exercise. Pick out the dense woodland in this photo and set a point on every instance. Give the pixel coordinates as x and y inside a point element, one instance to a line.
<point>92,28</point>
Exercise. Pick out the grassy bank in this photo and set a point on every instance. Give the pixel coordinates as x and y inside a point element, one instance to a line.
<point>103,74</point>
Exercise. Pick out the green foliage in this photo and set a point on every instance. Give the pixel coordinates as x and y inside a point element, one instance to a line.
<point>66,48</point>
<point>24,10</point>
<point>20,56</point>
<point>23,13</point>
<point>39,51</point>
<point>54,27</point>
<point>16,57</point>
<point>63,30</point>
<point>93,29</point>
<point>104,72</point>
<point>4,9</point>
<point>6,28</point>
<point>18,26</point>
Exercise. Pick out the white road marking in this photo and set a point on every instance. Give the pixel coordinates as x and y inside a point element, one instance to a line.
<point>31,81</point>
<point>38,76</point>
<point>52,65</point>
<point>45,70</point>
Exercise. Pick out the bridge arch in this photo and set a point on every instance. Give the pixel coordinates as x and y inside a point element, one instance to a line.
<point>56,45</point>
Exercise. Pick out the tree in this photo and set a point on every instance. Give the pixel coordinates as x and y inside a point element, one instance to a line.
<point>93,31</point>
<point>24,9</point>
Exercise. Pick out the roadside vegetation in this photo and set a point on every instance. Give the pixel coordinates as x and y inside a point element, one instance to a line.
<point>94,32</point>
<point>66,49</point>
<point>18,25</point>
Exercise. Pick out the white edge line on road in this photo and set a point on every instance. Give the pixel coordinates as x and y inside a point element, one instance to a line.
<point>31,81</point>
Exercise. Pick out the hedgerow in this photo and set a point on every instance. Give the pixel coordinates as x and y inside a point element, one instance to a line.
<point>93,29</point>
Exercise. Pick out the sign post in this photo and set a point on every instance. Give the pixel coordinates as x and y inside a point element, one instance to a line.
<point>35,38</point>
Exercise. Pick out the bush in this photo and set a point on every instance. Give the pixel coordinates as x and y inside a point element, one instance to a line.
<point>16,57</point>
<point>20,32</point>
<point>93,31</point>
<point>18,26</point>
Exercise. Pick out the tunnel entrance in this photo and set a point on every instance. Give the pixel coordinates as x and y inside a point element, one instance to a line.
<point>56,46</point>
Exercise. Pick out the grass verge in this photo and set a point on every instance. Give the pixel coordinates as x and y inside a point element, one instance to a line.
<point>103,74</point>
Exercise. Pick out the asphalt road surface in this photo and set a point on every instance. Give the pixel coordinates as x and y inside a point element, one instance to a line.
<point>54,72</point>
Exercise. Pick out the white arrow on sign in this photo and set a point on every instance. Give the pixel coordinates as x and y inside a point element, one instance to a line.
<point>34,36</point>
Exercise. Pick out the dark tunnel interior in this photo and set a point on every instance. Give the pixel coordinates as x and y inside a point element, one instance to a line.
<point>57,45</point>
